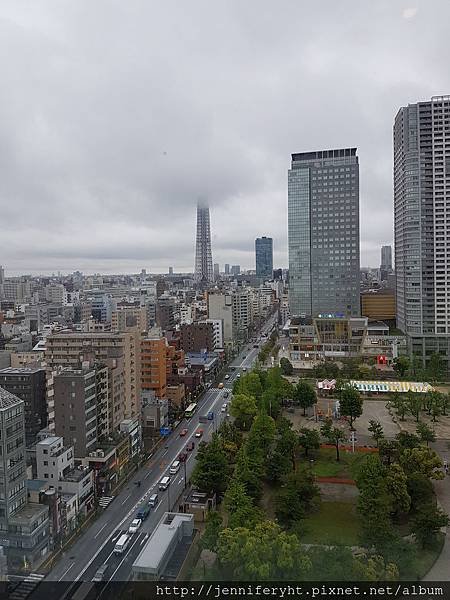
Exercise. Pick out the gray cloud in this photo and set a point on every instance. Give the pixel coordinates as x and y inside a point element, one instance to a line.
<point>115,117</point>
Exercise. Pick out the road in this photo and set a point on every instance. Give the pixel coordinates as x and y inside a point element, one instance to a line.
<point>96,546</point>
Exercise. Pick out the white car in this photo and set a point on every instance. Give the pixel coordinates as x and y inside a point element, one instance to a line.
<point>134,526</point>
<point>224,408</point>
<point>227,376</point>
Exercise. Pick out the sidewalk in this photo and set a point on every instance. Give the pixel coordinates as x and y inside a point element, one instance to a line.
<point>440,571</point>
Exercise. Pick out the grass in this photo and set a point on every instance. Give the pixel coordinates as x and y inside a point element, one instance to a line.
<point>326,465</point>
<point>335,523</point>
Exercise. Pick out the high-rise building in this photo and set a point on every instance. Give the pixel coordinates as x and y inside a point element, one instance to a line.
<point>386,258</point>
<point>421,230</point>
<point>227,269</point>
<point>216,270</point>
<point>264,257</point>
<point>24,525</point>
<point>235,269</point>
<point>203,254</point>
<point>154,365</point>
<point>323,230</point>
<point>28,384</point>
<point>170,270</point>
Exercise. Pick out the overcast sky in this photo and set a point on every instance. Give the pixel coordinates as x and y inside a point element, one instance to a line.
<point>116,116</point>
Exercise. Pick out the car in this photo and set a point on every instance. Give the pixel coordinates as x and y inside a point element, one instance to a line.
<point>255,346</point>
<point>182,457</point>
<point>143,512</point>
<point>226,394</point>
<point>153,500</point>
<point>134,526</point>
<point>183,432</point>
<point>220,386</point>
<point>227,376</point>
<point>164,483</point>
<point>199,433</point>
<point>100,573</point>
<point>190,446</point>
<point>238,376</point>
<point>122,543</point>
<point>244,356</point>
<point>244,368</point>
<point>224,408</point>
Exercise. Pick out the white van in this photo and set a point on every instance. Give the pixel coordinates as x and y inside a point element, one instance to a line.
<point>121,544</point>
<point>153,500</point>
<point>164,483</point>
<point>175,467</point>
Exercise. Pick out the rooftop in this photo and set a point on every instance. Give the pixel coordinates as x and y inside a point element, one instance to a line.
<point>20,370</point>
<point>8,400</point>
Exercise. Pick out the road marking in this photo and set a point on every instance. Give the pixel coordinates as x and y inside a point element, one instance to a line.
<point>181,479</point>
<point>145,539</point>
<point>100,530</point>
<point>148,475</point>
<point>126,499</point>
<point>65,572</point>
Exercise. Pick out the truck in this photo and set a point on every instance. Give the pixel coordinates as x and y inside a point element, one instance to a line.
<point>143,512</point>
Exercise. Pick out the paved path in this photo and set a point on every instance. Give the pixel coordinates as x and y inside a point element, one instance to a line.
<point>440,571</point>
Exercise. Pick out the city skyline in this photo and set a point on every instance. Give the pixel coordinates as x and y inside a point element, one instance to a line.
<point>130,167</point>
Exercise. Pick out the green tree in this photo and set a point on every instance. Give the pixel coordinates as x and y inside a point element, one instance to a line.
<point>397,486</point>
<point>351,403</point>
<point>421,460</point>
<point>401,365</point>
<point>250,468</point>
<point>389,450</point>
<point>239,505</point>
<point>374,568</point>
<point>426,524</point>
<point>296,497</point>
<point>436,368</point>
<point>288,443</point>
<point>400,405</point>
<point>261,435</point>
<point>425,433</point>
<point>420,490</point>
<point>243,408</point>
<point>445,403</point>
<point>263,553</point>
<point>278,466</point>
<point>286,366</point>
<point>213,525</point>
<point>375,503</point>
<point>414,404</point>
<point>376,429</point>
<point>406,439</point>
<point>304,395</point>
<point>309,439</point>
<point>211,472</point>
<point>252,385</point>
<point>333,435</point>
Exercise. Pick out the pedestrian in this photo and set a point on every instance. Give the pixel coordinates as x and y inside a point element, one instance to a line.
<point>446,466</point>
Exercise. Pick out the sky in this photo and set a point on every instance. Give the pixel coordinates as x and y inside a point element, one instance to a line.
<point>116,117</point>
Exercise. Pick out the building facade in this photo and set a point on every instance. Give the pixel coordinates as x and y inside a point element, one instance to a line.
<point>422,233</point>
<point>264,257</point>
<point>323,232</point>
<point>203,253</point>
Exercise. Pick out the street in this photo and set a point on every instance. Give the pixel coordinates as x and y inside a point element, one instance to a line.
<point>96,545</point>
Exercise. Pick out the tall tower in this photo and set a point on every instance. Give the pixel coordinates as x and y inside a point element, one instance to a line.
<point>421,225</point>
<point>203,255</point>
<point>323,232</point>
<point>264,257</point>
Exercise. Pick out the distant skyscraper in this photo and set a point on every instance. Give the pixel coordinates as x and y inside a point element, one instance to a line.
<point>216,270</point>
<point>323,230</point>
<point>227,269</point>
<point>264,257</point>
<point>235,269</point>
<point>203,253</point>
<point>386,258</point>
<point>170,270</point>
<point>421,230</point>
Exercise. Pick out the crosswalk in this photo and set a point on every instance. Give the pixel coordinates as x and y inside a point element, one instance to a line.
<point>105,501</point>
<point>26,586</point>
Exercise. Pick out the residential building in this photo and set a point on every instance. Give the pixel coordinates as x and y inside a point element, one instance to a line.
<point>24,525</point>
<point>220,307</point>
<point>197,337</point>
<point>129,315</point>
<point>28,384</point>
<point>227,269</point>
<point>236,269</point>
<point>264,257</point>
<point>323,231</point>
<point>56,293</point>
<point>216,271</point>
<point>217,333</point>
<point>421,229</point>
<point>153,365</point>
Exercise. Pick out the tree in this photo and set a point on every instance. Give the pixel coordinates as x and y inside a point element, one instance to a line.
<point>396,483</point>
<point>240,507</point>
<point>401,365</point>
<point>376,429</point>
<point>211,471</point>
<point>286,366</point>
<point>297,496</point>
<point>425,433</point>
<point>252,385</point>
<point>333,435</point>
<point>436,368</point>
<point>421,460</point>
<point>400,405</point>
<point>262,435</point>
<point>278,466</point>
<point>420,490</point>
<point>445,403</point>
<point>351,403</point>
<point>243,408</point>
<point>262,553</point>
<point>250,466</point>
<point>304,395</point>
<point>406,439</point>
<point>309,439</point>
<point>426,525</point>
<point>388,451</point>
<point>414,404</point>
<point>288,443</point>
<point>213,525</point>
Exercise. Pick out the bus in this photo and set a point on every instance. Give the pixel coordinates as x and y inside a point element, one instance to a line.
<point>190,410</point>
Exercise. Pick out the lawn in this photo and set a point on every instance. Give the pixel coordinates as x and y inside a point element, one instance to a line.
<point>325,465</point>
<point>335,523</point>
